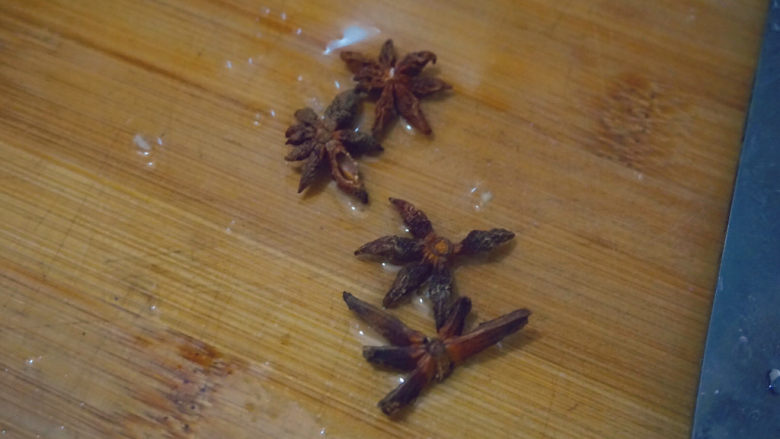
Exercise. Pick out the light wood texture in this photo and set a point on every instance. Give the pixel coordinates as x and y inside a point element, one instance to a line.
<point>190,292</point>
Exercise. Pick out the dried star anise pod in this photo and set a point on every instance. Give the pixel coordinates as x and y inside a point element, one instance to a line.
<point>428,257</point>
<point>399,83</point>
<point>330,141</point>
<point>428,358</point>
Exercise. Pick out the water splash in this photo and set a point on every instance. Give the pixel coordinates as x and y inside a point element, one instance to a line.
<point>352,34</point>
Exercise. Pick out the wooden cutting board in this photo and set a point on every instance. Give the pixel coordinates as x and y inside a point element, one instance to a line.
<point>160,277</point>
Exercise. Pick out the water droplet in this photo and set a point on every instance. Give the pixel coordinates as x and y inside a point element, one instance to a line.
<point>743,339</point>
<point>283,16</point>
<point>390,268</point>
<point>351,35</point>
<point>408,127</point>
<point>298,31</point>
<point>480,197</point>
<point>250,61</point>
<point>141,143</point>
<point>266,11</point>
<point>153,308</point>
<point>640,176</point>
<point>62,427</point>
<point>338,86</point>
<point>401,380</point>
<point>150,165</point>
<point>717,391</point>
<point>322,431</point>
<point>273,113</point>
<point>300,78</point>
<point>228,64</point>
<point>256,123</point>
<point>423,306</point>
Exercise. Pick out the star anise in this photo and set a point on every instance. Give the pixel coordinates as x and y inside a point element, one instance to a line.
<point>428,256</point>
<point>399,83</point>
<point>429,358</point>
<point>329,141</point>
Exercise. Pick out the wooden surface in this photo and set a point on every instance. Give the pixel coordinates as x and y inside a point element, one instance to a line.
<point>190,292</point>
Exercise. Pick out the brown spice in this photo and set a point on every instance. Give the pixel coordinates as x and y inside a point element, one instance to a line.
<point>329,141</point>
<point>428,358</point>
<point>428,256</point>
<point>398,84</point>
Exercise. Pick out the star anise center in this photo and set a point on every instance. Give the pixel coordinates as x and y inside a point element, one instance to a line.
<point>436,348</point>
<point>437,250</point>
<point>323,134</point>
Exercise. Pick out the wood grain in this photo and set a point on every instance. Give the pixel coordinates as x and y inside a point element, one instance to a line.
<point>185,290</point>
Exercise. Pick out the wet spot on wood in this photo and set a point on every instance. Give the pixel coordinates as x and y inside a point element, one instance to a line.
<point>188,376</point>
<point>638,121</point>
<point>199,353</point>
